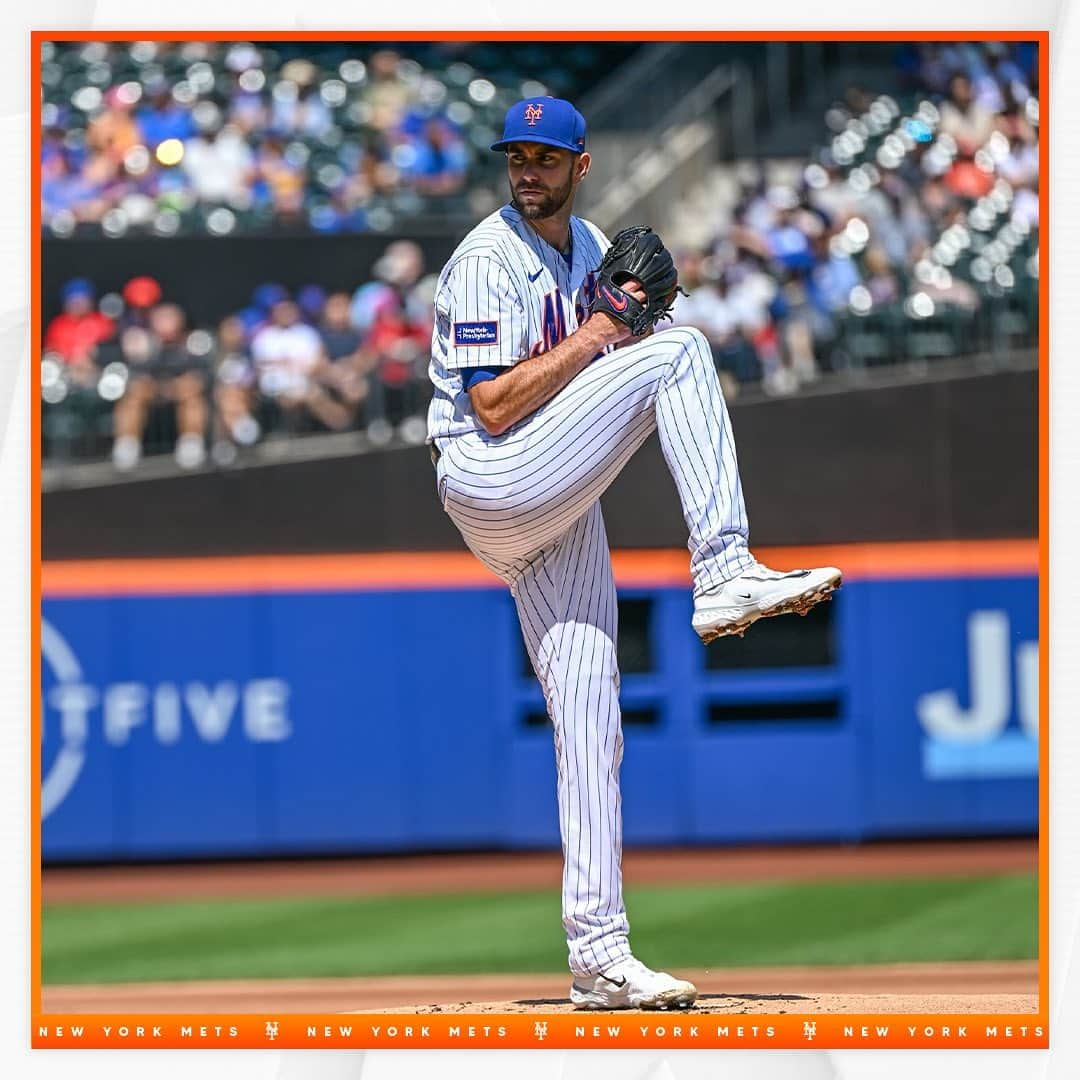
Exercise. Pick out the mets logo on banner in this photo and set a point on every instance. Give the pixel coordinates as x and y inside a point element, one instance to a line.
<point>533,113</point>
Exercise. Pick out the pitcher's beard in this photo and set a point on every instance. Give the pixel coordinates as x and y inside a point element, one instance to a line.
<point>550,204</point>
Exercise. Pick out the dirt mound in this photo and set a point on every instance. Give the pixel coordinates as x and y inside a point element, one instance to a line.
<point>951,987</point>
<point>773,1004</point>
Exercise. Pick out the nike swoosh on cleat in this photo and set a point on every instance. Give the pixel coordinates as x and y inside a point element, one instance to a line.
<point>744,595</point>
<point>620,983</point>
<point>793,574</point>
<point>533,277</point>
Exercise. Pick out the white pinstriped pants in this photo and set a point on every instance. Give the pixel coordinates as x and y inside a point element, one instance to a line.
<point>527,505</point>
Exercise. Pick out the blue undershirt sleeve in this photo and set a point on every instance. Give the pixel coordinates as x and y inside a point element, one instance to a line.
<point>473,375</point>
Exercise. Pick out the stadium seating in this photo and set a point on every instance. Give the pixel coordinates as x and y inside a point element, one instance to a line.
<point>894,241</point>
<point>345,125</point>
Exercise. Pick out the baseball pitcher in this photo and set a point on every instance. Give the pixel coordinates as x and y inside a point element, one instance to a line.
<point>547,378</point>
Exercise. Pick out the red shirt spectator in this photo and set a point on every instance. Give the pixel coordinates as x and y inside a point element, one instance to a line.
<point>77,331</point>
<point>397,342</point>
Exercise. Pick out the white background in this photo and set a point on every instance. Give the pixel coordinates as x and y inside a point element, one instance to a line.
<point>16,623</point>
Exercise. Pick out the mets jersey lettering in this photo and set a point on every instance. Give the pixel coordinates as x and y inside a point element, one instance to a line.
<point>554,321</point>
<point>554,318</point>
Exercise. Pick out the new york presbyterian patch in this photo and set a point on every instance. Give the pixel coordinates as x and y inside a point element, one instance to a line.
<point>476,333</point>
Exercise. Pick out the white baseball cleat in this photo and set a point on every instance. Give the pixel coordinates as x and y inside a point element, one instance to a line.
<point>759,592</point>
<point>631,985</point>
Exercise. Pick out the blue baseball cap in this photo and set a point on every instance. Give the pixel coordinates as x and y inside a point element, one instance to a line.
<point>79,286</point>
<point>266,296</point>
<point>544,120</point>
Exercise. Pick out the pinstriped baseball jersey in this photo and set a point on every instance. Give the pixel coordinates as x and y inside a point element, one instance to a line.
<point>527,504</point>
<point>504,295</point>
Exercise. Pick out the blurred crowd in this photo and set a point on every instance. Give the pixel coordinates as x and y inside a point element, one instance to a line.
<point>212,137</point>
<point>126,369</point>
<point>912,233</point>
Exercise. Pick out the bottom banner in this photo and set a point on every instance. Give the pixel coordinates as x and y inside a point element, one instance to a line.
<point>559,1031</point>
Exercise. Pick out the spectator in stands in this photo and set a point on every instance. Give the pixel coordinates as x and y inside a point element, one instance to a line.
<point>220,165</point>
<point>393,315</point>
<point>341,340</point>
<point>967,179</point>
<point>113,132</point>
<point>79,329</point>
<point>257,314</point>
<point>297,108</point>
<point>290,366</point>
<point>753,294</point>
<point>1013,121</point>
<point>388,93</point>
<point>930,67</point>
<point>755,210</point>
<point>830,194</point>
<point>881,281</point>
<point>708,308</point>
<point>161,370</point>
<point>965,118</point>
<point>247,111</point>
<point>311,299</point>
<point>788,244</point>
<point>779,228</point>
<point>88,190</point>
<point>398,348</point>
<point>799,325</point>
<point>952,290</point>
<point>883,210</point>
<point>234,391</point>
<point>349,368</point>
<point>1015,68</point>
<point>397,272</point>
<point>1020,166</point>
<point>162,117</point>
<point>280,181</point>
<point>54,154</point>
<point>1025,208</point>
<point>832,278</point>
<point>140,295</point>
<point>439,159</point>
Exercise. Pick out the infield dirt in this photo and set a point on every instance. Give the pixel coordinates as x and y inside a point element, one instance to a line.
<point>932,988</point>
<point>531,870</point>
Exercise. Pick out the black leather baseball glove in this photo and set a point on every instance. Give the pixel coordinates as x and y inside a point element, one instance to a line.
<point>636,252</point>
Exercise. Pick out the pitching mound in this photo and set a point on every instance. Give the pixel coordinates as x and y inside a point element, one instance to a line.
<point>742,1004</point>
<point>886,988</point>
<point>932,988</point>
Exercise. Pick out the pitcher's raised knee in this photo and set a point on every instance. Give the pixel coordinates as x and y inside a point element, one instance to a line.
<point>692,346</point>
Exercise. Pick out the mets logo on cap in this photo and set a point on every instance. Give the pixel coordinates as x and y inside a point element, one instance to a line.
<point>543,120</point>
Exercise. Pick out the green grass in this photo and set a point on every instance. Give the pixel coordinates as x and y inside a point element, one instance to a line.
<point>835,922</point>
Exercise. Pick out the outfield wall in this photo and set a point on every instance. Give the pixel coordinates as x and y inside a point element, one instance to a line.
<point>306,704</point>
<point>934,459</point>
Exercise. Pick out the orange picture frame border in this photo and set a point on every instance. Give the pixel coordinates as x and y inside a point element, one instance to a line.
<point>78,578</point>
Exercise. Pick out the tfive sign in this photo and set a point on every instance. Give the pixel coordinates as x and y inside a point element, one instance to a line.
<point>164,712</point>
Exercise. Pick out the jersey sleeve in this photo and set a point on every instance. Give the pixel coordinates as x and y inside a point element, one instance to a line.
<point>486,324</point>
